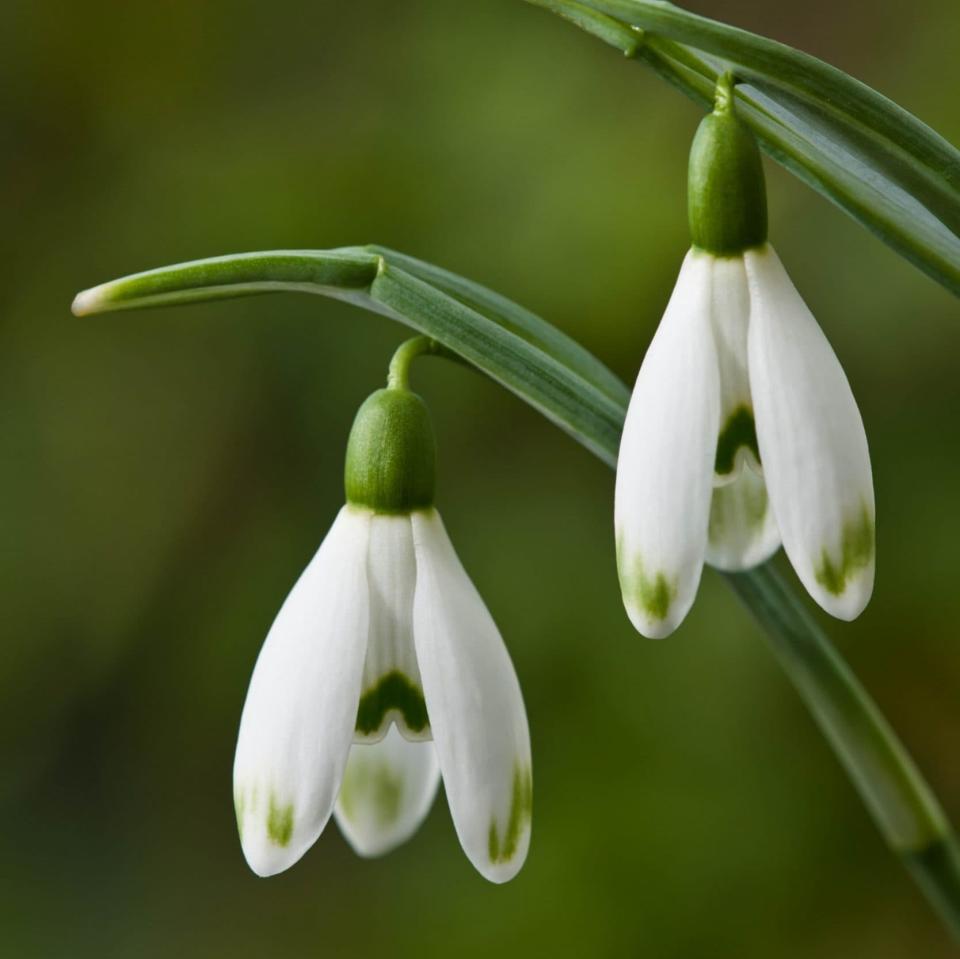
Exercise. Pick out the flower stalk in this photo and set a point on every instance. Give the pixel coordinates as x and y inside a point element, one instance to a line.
<point>398,376</point>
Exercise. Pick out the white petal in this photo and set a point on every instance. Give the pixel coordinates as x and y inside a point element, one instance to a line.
<point>387,791</point>
<point>743,532</point>
<point>476,709</point>
<point>812,443</point>
<point>392,690</point>
<point>667,453</point>
<point>301,708</point>
<point>730,315</point>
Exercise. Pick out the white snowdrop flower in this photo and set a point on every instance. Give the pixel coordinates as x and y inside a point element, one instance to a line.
<point>742,431</point>
<point>382,672</point>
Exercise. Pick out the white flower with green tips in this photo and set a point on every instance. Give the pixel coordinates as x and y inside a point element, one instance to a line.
<point>382,672</point>
<point>742,431</point>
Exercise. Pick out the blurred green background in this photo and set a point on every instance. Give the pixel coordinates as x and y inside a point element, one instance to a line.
<point>167,474</point>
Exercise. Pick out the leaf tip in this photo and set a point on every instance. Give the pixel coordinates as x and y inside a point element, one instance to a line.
<point>88,301</point>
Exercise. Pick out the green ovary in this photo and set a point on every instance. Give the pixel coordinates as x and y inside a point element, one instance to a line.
<point>654,594</point>
<point>739,430</point>
<point>394,691</point>
<point>503,849</point>
<point>856,552</point>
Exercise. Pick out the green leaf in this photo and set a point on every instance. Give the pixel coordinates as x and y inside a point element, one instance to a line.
<point>876,161</point>
<point>520,351</point>
<point>514,318</point>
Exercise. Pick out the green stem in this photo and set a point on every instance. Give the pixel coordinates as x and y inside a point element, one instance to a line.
<point>900,801</point>
<point>398,374</point>
<point>935,178</point>
<point>398,377</point>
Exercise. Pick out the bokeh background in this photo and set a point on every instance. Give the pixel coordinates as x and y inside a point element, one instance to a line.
<point>167,474</point>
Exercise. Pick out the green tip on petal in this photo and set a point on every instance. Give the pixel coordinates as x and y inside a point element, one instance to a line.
<point>856,552</point>
<point>279,822</point>
<point>504,848</point>
<point>652,594</point>
<point>727,199</point>
<point>391,454</point>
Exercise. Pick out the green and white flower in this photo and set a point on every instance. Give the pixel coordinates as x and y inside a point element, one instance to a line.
<point>742,431</point>
<point>382,672</point>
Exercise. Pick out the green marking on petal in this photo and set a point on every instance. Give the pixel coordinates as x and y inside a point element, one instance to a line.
<point>279,822</point>
<point>739,430</point>
<point>654,594</point>
<point>239,805</point>
<point>856,552</point>
<point>521,811</point>
<point>373,785</point>
<point>741,503</point>
<point>393,691</point>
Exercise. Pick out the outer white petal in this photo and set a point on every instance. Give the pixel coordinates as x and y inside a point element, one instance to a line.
<point>812,443</point>
<point>391,690</point>
<point>667,453</point>
<point>476,708</point>
<point>743,531</point>
<point>301,708</point>
<point>387,791</point>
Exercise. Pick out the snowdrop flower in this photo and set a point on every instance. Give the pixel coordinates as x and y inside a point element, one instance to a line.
<point>382,672</point>
<point>742,431</point>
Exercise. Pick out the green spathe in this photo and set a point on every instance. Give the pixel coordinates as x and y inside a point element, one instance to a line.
<point>727,199</point>
<point>391,454</point>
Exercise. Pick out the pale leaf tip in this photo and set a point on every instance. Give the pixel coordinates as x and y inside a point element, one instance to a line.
<point>88,301</point>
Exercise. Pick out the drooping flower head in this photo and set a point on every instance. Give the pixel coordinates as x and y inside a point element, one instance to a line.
<point>382,672</point>
<point>742,431</point>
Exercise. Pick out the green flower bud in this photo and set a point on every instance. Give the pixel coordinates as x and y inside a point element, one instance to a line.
<point>727,198</point>
<point>391,454</point>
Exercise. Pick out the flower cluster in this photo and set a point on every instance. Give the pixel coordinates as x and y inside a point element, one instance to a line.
<point>384,672</point>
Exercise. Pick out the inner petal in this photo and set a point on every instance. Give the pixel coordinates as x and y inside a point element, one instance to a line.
<point>392,691</point>
<point>730,313</point>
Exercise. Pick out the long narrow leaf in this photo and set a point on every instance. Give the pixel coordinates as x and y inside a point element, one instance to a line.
<point>512,317</point>
<point>516,348</point>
